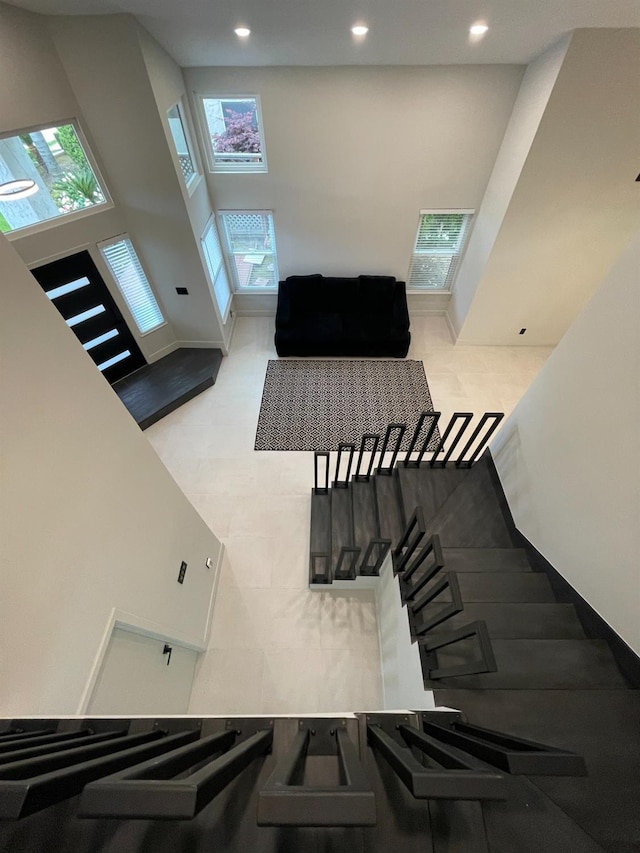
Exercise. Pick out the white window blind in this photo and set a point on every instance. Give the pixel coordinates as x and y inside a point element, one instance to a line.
<point>217,272</point>
<point>133,283</point>
<point>438,248</point>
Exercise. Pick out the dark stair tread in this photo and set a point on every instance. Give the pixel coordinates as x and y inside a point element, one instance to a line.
<point>486,559</point>
<point>320,533</point>
<point>365,519</point>
<point>500,587</point>
<point>531,822</point>
<point>427,487</point>
<point>537,621</point>
<point>536,665</point>
<point>341,522</point>
<point>391,521</point>
<point>601,725</point>
<point>472,517</point>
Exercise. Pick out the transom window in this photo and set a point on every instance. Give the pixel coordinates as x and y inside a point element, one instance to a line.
<point>251,247</point>
<point>45,174</point>
<point>235,139</point>
<point>182,145</point>
<point>439,244</point>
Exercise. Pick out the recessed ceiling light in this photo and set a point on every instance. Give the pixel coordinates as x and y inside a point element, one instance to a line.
<point>243,32</point>
<point>478,29</point>
<point>360,30</point>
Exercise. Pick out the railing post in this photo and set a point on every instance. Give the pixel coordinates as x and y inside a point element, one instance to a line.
<point>375,439</point>
<point>435,416</point>
<point>410,540</point>
<point>431,548</point>
<point>448,580</point>
<point>349,555</point>
<point>370,567</point>
<point>466,418</point>
<point>497,417</point>
<point>486,663</point>
<point>342,448</point>
<point>317,488</point>
<point>399,431</point>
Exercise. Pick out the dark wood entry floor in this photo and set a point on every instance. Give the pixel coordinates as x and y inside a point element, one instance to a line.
<point>157,389</point>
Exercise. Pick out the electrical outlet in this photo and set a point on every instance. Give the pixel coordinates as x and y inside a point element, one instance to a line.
<point>522,331</point>
<point>182,572</point>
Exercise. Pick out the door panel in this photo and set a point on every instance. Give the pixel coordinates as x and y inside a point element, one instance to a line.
<point>78,291</point>
<point>137,678</point>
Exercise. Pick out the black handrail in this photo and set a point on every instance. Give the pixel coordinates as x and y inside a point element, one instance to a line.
<point>399,430</point>
<point>415,463</point>
<point>286,801</point>
<point>430,548</point>
<point>461,777</point>
<point>375,439</point>
<point>486,662</point>
<point>350,556</point>
<point>509,753</point>
<point>320,490</point>
<point>150,790</point>
<point>369,568</point>
<point>497,417</point>
<point>344,447</point>
<point>320,567</point>
<point>449,580</point>
<point>409,541</point>
<point>466,418</point>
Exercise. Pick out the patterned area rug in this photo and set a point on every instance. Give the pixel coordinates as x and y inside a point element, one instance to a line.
<point>314,404</point>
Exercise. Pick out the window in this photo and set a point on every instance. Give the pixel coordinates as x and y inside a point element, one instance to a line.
<point>182,145</point>
<point>45,174</point>
<point>439,244</point>
<point>234,134</point>
<point>134,286</point>
<point>215,266</point>
<point>251,245</point>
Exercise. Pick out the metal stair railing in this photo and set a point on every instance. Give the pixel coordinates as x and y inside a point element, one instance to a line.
<point>485,663</point>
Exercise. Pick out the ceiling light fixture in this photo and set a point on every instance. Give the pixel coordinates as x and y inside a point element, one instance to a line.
<point>360,30</point>
<point>243,32</point>
<point>17,189</point>
<point>478,29</point>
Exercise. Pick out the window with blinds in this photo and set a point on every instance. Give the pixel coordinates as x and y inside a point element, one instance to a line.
<point>132,282</point>
<point>439,244</point>
<point>215,266</point>
<point>251,248</point>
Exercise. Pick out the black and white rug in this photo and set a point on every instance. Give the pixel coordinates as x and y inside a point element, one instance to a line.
<point>314,404</point>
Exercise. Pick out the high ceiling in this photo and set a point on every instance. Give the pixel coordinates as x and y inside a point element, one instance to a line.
<point>317,32</point>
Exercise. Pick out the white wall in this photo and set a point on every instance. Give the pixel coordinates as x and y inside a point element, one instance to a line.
<point>355,153</point>
<point>533,96</point>
<point>91,519</point>
<point>576,202</point>
<point>569,455</point>
<point>40,94</point>
<point>104,62</point>
<point>167,83</point>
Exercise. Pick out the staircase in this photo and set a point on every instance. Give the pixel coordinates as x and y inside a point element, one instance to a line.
<point>494,640</point>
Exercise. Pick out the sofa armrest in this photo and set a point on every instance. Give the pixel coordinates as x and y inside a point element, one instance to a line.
<point>283,309</point>
<point>400,310</point>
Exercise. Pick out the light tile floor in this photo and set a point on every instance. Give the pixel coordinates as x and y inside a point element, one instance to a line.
<point>275,646</point>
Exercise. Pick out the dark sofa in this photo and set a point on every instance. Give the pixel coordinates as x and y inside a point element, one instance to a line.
<point>322,316</point>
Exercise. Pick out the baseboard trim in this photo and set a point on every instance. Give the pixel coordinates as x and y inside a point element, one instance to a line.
<point>451,327</point>
<point>594,626</point>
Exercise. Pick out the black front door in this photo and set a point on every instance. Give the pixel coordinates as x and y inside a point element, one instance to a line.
<point>78,291</point>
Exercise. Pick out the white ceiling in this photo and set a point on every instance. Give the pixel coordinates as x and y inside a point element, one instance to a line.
<point>317,32</point>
